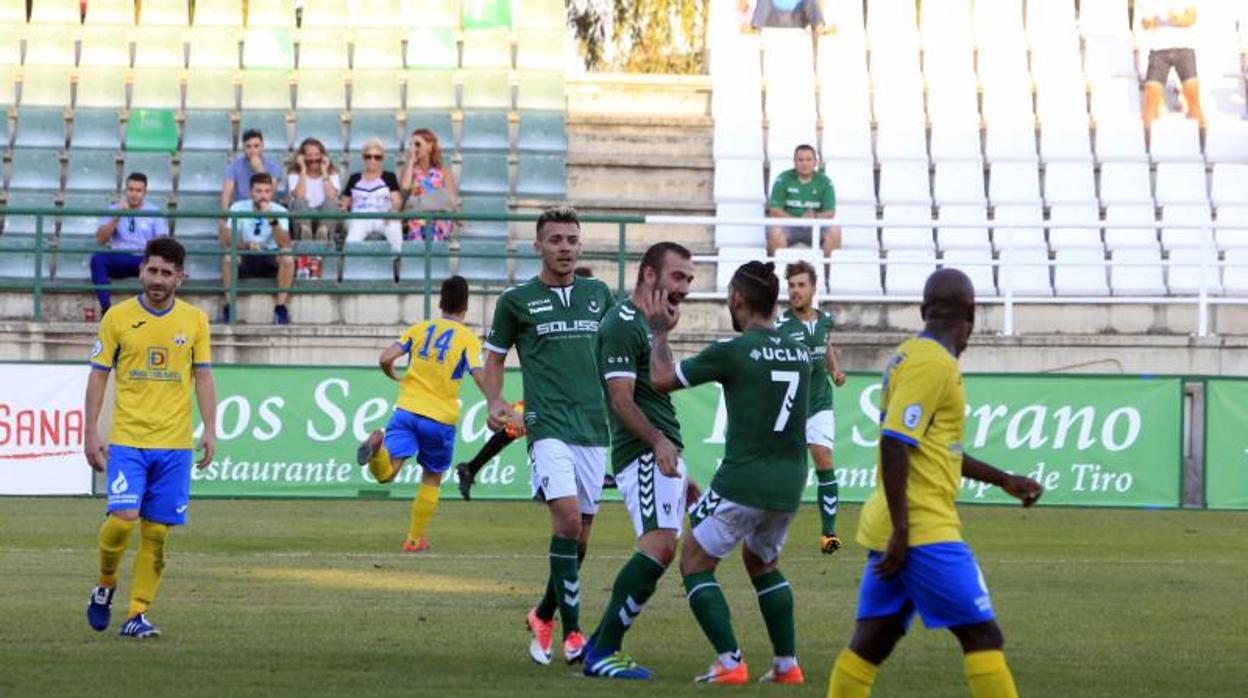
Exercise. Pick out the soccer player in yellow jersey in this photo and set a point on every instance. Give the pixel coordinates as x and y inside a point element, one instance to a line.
<point>160,348</point>
<point>442,350</point>
<point>917,559</point>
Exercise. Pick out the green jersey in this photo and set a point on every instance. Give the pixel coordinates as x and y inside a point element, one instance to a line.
<point>624,342</point>
<point>555,331</point>
<point>797,197</point>
<point>813,335</point>
<point>766,381</point>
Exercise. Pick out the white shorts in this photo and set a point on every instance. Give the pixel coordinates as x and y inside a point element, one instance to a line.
<point>821,429</point>
<point>360,228</point>
<point>718,524</point>
<point>568,470</point>
<point>654,501</point>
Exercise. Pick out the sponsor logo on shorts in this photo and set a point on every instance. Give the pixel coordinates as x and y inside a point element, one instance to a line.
<point>119,484</point>
<point>182,509</point>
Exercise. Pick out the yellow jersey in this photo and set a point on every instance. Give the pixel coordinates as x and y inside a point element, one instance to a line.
<point>922,404</point>
<point>442,352</point>
<point>154,353</point>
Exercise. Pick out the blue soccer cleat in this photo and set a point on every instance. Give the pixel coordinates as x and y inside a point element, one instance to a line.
<point>616,665</point>
<point>136,626</point>
<point>100,607</point>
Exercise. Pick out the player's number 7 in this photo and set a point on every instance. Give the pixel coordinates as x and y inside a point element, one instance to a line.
<point>792,378</point>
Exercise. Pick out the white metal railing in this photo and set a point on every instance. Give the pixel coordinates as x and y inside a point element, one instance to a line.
<point>1008,298</point>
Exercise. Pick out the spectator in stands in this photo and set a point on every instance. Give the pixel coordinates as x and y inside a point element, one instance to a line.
<point>427,187</point>
<point>788,14</point>
<point>126,236</point>
<point>802,192</point>
<point>238,175</point>
<point>267,231</point>
<point>1171,39</point>
<point>313,184</point>
<point>375,190</point>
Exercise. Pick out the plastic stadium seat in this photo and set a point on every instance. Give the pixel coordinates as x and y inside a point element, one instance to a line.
<point>1088,236</point>
<point>205,227</point>
<point>1103,17</point>
<point>325,13</point>
<point>484,89</point>
<point>1116,99</point>
<point>412,267</point>
<point>843,101</point>
<point>378,14</point>
<point>1018,226</point>
<point>900,101</point>
<point>960,238</point>
<point>55,12</point>
<point>272,123</point>
<point>1226,141</point>
<point>1136,272</point>
<point>1181,183</point>
<point>1010,183</point>
<point>1125,183</point>
<point>854,181</point>
<point>158,48</point>
<point>324,125</point>
<point>858,229</point>
<point>50,44</point>
<point>376,268</point>
<point>730,258</point>
<point>99,48</point>
<point>954,100</point>
<point>898,238</point>
<point>1026,272</point>
<point>907,271</point>
<point>83,225</point>
<point>484,174</point>
<point>1121,140</point>
<point>490,266</point>
<point>1235,273</point>
<point>977,264</point>
<point>1175,139</point>
<point>274,49</point>
<point>202,266</point>
<point>1072,275</point>
<point>1184,272</point>
<point>19,261</point>
<point>266,89</point>
<point>156,88</point>
<point>378,49</point>
<point>539,14</point>
<point>153,130</point>
<point>739,134</point>
<point>790,255</point>
<point>366,125</point>
<point>739,180</point>
<point>211,89</point>
<point>1143,234</point>
<point>482,204</point>
<point>783,137</point>
<point>218,13</point>
<point>485,131</point>
<point>901,140</point>
<point>1235,235</point>
<point>891,19</point>
<point>543,132</point>
<point>1228,185</point>
<point>101,87</point>
<point>321,89</point>
<point>904,182</point>
<point>157,166</point>
<point>271,13</point>
<point>10,48</point>
<point>843,56</point>
<point>379,89</point>
<point>1069,183</point>
<point>436,121</point>
<point>92,170</point>
<point>320,49</point>
<point>1223,99</point>
<point>213,47</point>
<point>207,130</point>
<point>487,49</point>
<point>434,89</point>
<point>735,235</point>
<point>164,13</point>
<point>1010,142</point>
<point>486,14</point>
<point>202,172</point>
<point>1060,143</point>
<point>35,169</point>
<point>110,12</point>
<point>44,127</point>
<point>1109,56</point>
<point>958,183</point>
<point>854,273</point>
<point>28,225</point>
<point>847,141</point>
<point>955,141</point>
<point>432,48</point>
<point>1191,214</point>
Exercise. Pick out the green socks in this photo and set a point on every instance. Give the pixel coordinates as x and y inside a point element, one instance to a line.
<point>828,493</point>
<point>711,609</point>
<point>775,600</point>
<point>633,586</point>
<point>550,603</point>
<point>565,579</point>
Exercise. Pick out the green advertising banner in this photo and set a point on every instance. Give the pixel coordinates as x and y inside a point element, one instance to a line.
<point>293,431</point>
<point>1226,444</point>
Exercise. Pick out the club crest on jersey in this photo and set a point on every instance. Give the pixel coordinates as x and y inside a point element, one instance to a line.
<point>593,305</point>
<point>179,339</point>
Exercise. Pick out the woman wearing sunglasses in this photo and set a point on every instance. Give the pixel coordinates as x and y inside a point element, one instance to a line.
<point>313,185</point>
<point>374,190</point>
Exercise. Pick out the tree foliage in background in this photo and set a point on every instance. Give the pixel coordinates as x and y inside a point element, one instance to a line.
<point>641,36</point>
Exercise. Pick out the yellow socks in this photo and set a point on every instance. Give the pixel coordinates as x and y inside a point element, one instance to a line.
<point>380,467</point>
<point>114,538</point>
<point>148,565</point>
<point>423,506</point>
<point>852,676</point>
<point>988,675</point>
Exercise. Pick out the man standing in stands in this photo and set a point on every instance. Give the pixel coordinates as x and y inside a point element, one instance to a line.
<point>802,192</point>
<point>126,236</point>
<point>1171,38</point>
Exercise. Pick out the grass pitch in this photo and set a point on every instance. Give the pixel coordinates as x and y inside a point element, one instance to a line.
<point>315,598</point>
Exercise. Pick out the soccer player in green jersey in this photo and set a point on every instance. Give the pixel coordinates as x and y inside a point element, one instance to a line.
<point>809,325</point>
<point>552,321</point>
<point>756,491</point>
<point>645,455</point>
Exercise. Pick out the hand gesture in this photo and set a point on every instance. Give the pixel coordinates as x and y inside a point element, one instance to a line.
<point>667,458</point>
<point>208,444</point>
<point>661,312</point>
<point>501,415</point>
<point>300,163</point>
<point>1024,489</point>
<point>256,162</point>
<point>894,558</point>
<point>96,452</point>
<point>838,379</point>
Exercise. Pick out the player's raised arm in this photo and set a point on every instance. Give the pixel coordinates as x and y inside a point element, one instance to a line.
<point>388,358</point>
<point>1024,489</point>
<point>663,317</point>
<point>206,396</point>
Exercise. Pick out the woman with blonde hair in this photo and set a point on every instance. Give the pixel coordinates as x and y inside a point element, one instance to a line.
<point>428,187</point>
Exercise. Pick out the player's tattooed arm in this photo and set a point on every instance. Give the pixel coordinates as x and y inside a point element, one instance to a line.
<point>1024,489</point>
